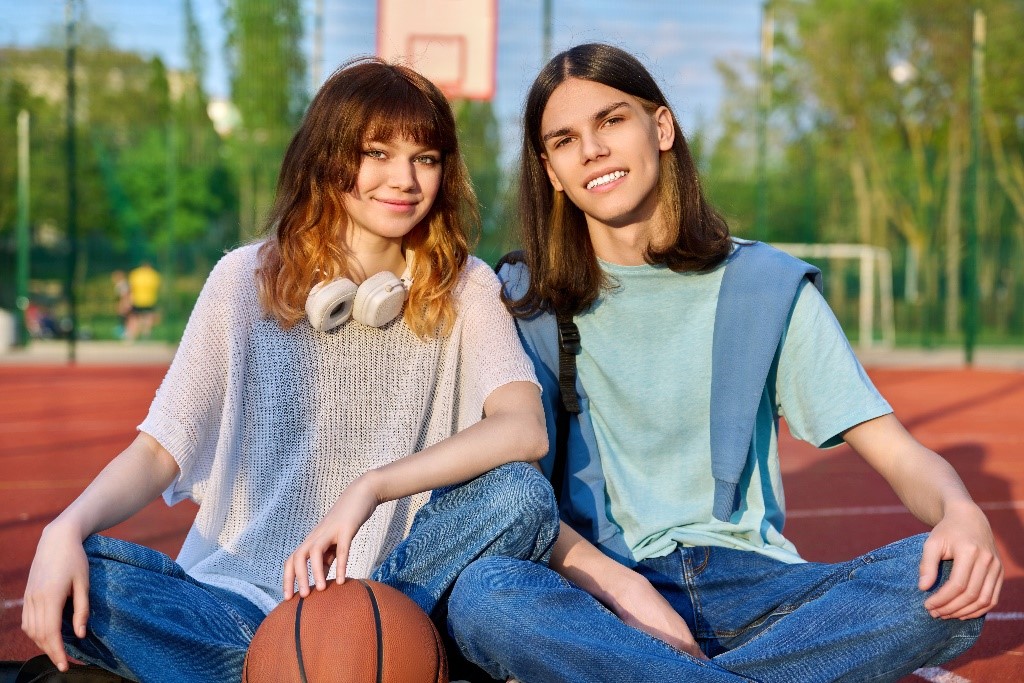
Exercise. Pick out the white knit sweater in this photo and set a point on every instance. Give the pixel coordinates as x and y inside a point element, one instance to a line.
<point>270,425</point>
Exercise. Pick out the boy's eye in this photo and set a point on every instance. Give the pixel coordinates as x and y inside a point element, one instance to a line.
<point>611,121</point>
<point>561,142</point>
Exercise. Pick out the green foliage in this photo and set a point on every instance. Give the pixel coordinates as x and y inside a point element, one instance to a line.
<point>480,143</point>
<point>869,142</point>
<point>151,175</point>
<point>268,86</point>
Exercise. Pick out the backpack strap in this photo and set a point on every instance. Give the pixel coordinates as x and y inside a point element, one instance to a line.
<point>568,403</point>
<point>568,347</point>
<point>572,464</point>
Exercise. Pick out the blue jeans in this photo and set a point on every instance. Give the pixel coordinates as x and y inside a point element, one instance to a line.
<point>151,621</point>
<point>757,618</point>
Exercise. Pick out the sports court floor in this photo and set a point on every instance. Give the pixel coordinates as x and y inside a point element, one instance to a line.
<point>59,424</point>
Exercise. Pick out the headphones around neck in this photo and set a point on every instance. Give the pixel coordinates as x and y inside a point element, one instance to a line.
<point>375,302</point>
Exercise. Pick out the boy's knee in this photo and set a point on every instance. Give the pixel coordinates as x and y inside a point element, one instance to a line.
<point>480,600</point>
<point>955,638</point>
<point>897,563</point>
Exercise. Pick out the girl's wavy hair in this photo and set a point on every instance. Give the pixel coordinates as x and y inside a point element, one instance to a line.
<point>366,99</point>
<point>564,272</point>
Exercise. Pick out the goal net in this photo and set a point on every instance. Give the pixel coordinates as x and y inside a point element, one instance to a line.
<point>873,277</point>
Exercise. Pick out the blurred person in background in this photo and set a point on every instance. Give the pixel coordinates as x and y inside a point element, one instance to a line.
<point>328,379</point>
<point>689,345</point>
<point>122,301</point>
<point>144,290</point>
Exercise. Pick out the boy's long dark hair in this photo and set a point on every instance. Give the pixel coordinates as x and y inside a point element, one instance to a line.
<point>564,272</point>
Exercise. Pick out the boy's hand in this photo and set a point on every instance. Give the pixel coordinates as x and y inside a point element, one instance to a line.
<point>638,604</point>
<point>331,539</point>
<point>972,589</point>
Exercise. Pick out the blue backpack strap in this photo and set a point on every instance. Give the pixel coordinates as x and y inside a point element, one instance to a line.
<point>582,495</point>
<point>758,290</point>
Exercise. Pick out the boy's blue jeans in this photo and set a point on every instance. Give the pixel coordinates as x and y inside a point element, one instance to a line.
<point>150,621</point>
<point>757,618</point>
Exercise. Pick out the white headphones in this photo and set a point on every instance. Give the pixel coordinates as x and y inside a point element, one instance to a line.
<point>375,302</point>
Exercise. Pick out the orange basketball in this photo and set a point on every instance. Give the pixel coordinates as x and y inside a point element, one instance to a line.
<point>359,632</point>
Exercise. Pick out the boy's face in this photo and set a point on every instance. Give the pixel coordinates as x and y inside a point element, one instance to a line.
<point>602,148</point>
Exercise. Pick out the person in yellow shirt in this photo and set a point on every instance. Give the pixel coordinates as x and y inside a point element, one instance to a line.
<point>144,285</point>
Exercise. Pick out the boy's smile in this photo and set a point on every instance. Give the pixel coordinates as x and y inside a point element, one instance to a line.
<point>603,148</point>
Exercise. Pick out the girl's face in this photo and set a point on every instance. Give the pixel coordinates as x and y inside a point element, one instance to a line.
<point>397,184</point>
<point>603,149</point>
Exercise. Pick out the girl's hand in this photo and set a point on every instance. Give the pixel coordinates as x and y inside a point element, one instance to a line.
<point>59,569</point>
<point>331,538</point>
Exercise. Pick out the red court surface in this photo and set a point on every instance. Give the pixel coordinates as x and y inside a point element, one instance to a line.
<point>59,425</point>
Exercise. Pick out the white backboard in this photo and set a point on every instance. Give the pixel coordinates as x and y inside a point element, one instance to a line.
<point>451,42</point>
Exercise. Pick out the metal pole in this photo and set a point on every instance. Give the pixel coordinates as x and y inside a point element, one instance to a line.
<point>763,105</point>
<point>72,163</point>
<point>547,30</point>
<point>970,265</point>
<point>167,250</point>
<point>24,241</point>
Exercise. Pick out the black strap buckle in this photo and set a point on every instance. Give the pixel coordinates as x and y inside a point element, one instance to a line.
<point>569,337</point>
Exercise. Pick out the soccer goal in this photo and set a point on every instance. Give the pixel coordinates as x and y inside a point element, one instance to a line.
<point>874,267</point>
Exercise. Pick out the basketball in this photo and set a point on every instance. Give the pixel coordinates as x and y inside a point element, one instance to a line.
<point>359,632</point>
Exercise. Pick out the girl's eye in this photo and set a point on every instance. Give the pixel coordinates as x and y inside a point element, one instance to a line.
<point>428,160</point>
<point>374,153</point>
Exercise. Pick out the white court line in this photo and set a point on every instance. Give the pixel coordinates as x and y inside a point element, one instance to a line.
<point>1005,616</point>
<point>890,510</point>
<point>937,675</point>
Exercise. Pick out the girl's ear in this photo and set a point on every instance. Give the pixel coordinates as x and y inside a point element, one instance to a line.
<point>551,174</point>
<point>666,128</point>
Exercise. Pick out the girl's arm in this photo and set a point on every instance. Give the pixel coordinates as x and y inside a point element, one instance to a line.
<point>930,488</point>
<point>127,484</point>
<point>513,428</point>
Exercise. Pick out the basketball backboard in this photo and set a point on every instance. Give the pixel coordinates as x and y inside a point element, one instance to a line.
<point>451,42</point>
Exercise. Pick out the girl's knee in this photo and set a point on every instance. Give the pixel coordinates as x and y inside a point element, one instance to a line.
<point>522,483</point>
<point>522,491</point>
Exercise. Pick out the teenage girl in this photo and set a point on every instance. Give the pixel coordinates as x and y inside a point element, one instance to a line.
<point>329,377</point>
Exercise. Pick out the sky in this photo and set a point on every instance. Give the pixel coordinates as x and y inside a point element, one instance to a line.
<point>678,40</point>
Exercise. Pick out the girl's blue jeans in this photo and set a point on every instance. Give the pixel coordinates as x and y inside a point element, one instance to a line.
<point>150,621</point>
<point>756,618</point>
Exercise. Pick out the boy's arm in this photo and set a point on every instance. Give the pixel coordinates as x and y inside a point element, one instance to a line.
<point>930,488</point>
<point>626,593</point>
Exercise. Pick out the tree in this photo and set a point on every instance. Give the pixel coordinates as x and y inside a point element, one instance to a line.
<point>480,142</point>
<point>268,72</point>
<point>871,108</point>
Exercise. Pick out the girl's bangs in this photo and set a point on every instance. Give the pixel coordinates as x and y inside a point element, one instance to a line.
<point>404,114</point>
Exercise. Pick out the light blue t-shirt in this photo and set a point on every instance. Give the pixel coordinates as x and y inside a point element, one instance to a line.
<point>645,365</point>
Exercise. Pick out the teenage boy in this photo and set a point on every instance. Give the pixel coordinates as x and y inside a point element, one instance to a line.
<point>688,346</point>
